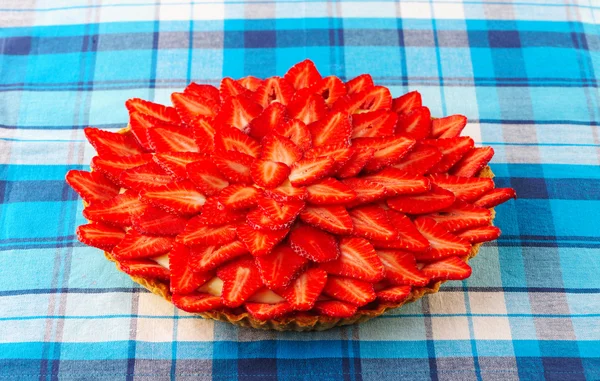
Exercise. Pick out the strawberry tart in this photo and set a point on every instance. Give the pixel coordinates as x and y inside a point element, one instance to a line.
<point>299,202</point>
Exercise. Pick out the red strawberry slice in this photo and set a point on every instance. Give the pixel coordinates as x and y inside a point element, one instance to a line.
<point>309,171</point>
<point>340,153</point>
<point>206,258</point>
<point>259,220</point>
<point>175,162</point>
<point>372,222</point>
<point>335,309</point>
<point>407,102</point>
<point>357,260</point>
<point>452,150</point>
<point>366,191</point>
<point>296,131</point>
<point>388,150</point>
<point>353,291</point>
<point>139,124</point>
<point>461,216</point>
<point>163,113</point>
<point>303,74</point>
<point>442,243</point>
<point>231,88</point>
<point>172,139</point>
<point>135,245</point>
<point>452,268</point>
<point>373,99</point>
<point>286,192</point>
<point>330,88</point>
<point>147,176</point>
<point>183,279</point>
<point>415,124</point>
<point>464,188</point>
<point>232,139</point>
<point>241,280</point>
<point>214,213</point>
<point>269,119</point>
<point>374,124</point>
<point>334,218</point>
<point>115,211</point>
<point>395,294</point>
<point>279,149</point>
<point>179,198</point>
<point>495,197</point>
<point>91,186</point>
<point>250,82</point>
<point>238,196</point>
<point>280,212</point>
<point>259,242</point>
<point>102,236</point>
<point>197,302</point>
<point>335,128</point>
<point>419,160</point>
<point>153,221</point>
<point>431,201</point>
<point>235,166</point>
<point>330,191</point>
<point>307,108</point>
<point>110,143</point>
<point>408,238</point>
<point>397,182</point>
<point>480,234</point>
<point>145,268</point>
<point>113,166</point>
<point>262,311</point>
<point>238,112</point>
<point>359,84</point>
<point>269,174</point>
<point>448,127</point>
<point>198,233</point>
<point>401,268</point>
<point>360,158</point>
<point>274,89</point>
<point>279,268</point>
<point>203,91</point>
<point>303,292</point>
<point>473,162</point>
<point>314,244</point>
<point>189,106</point>
<point>204,133</point>
<point>206,176</point>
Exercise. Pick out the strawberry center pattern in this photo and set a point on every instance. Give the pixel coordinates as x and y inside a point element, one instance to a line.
<point>294,193</point>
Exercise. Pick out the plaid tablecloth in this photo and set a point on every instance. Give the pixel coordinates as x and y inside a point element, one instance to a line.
<point>523,71</point>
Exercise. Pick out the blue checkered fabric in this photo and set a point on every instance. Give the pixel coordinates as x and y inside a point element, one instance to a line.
<point>523,71</point>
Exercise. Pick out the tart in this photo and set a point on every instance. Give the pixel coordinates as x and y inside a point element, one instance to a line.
<point>292,203</point>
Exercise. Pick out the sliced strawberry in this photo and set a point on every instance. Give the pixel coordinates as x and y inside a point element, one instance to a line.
<point>333,218</point>
<point>135,245</point>
<point>269,119</point>
<point>286,192</point>
<point>388,150</point>
<point>452,268</point>
<point>307,108</point>
<point>279,268</point>
<point>415,124</point>
<point>262,311</point>
<point>374,124</point>
<point>232,139</point>
<point>279,149</point>
<point>442,243</point>
<point>296,131</point>
<point>238,112</point>
<point>394,294</point>
<point>113,166</point>
<point>241,280</point>
<point>269,174</point>
<point>197,302</point>
<point>204,132</point>
<point>179,198</point>
<point>407,102</point>
<point>431,201</point>
<point>357,260</point>
<point>373,99</point>
<point>335,309</point>
<point>473,162</point>
<point>206,176</point>
<point>353,291</point>
<point>231,88</point>
<point>452,149</point>
<point>480,234</point>
<point>147,176</point>
<point>314,244</point>
<point>206,258</point>
<point>91,186</point>
<point>464,188</point>
<point>189,106</point>
<point>154,221</point>
<point>203,91</point>
<point>359,84</point>
<point>183,279</point>
<point>259,242</point>
<point>198,233</point>
<point>238,196</point>
<point>330,88</point>
<point>144,268</point>
<point>259,220</point>
<point>309,171</point>
<point>448,127</point>
<point>215,214</point>
<point>303,74</point>
<point>115,211</point>
<point>372,222</point>
<point>98,235</point>
<point>235,166</point>
<point>281,212</point>
<point>274,89</point>
<point>401,268</point>
<point>397,182</point>
<point>408,237</point>
<point>175,162</point>
<point>250,82</point>
<point>461,216</point>
<point>172,139</point>
<point>139,124</point>
<point>340,153</point>
<point>110,143</point>
<point>420,159</point>
<point>335,128</point>
<point>330,191</point>
<point>303,292</point>
<point>366,191</point>
<point>163,113</point>
<point>360,158</point>
<point>495,197</point>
